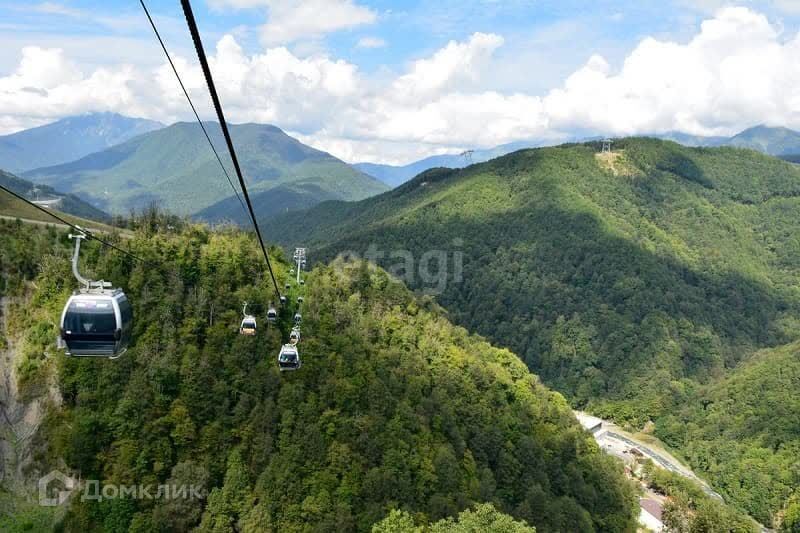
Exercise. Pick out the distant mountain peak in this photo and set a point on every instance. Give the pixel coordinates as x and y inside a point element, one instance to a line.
<point>773,140</point>
<point>68,139</point>
<point>175,167</point>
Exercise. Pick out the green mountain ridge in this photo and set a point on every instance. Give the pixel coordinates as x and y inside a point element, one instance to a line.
<point>175,167</point>
<point>629,282</point>
<point>777,141</point>
<point>266,204</point>
<point>770,140</point>
<point>393,408</point>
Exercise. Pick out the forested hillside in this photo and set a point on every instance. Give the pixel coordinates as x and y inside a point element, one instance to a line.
<point>176,167</point>
<point>745,430</point>
<point>66,203</point>
<point>635,282</point>
<point>394,407</point>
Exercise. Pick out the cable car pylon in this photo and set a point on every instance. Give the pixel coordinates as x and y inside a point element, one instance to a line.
<point>300,258</point>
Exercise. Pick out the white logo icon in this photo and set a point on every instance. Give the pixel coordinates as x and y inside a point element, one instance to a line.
<point>46,495</point>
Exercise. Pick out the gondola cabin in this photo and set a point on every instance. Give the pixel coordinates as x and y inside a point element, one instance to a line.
<point>248,326</point>
<point>97,324</point>
<point>288,358</point>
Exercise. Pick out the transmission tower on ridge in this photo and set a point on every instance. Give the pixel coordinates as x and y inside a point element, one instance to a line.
<point>606,147</point>
<point>467,155</point>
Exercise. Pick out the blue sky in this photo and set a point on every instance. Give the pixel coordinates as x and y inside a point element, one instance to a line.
<point>367,66</point>
<point>565,32</point>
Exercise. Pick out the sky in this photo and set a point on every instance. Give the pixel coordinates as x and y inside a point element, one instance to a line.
<point>395,81</point>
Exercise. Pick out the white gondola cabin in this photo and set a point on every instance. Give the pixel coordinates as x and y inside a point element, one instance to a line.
<point>96,324</point>
<point>288,358</point>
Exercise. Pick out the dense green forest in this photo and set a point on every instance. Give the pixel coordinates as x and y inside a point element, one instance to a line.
<point>744,429</point>
<point>638,283</point>
<point>393,409</point>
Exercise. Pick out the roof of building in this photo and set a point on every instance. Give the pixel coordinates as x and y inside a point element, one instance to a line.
<point>651,506</point>
<point>588,421</point>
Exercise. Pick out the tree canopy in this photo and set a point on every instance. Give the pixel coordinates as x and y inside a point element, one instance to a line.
<point>394,408</point>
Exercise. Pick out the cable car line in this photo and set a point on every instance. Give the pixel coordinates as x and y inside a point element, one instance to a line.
<point>97,319</point>
<point>191,104</point>
<point>84,231</point>
<point>201,55</point>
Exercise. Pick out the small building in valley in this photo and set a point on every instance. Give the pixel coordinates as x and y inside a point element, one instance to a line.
<point>590,423</point>
<point>650,514</point>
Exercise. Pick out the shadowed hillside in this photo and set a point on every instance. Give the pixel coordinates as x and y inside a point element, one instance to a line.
<point>630,281</point>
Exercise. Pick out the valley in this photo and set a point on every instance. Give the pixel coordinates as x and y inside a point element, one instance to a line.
<point>399,267</point>
<point>638,291</point>
<point>630,196</point>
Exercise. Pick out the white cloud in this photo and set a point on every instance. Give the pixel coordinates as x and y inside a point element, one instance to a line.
<point>791,7</point>
<point>371,42</point>
<point>737,71</point>
<point>292,20</point>
<point>52,8</point>
<point>453,66</point>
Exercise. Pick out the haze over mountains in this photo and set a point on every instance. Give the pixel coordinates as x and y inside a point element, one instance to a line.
<point>641,284</point>
<point>395,175</point>
<point>175,167</point>
<point>68,139</point>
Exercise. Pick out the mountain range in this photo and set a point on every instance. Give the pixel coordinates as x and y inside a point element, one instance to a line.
<point>396,175</point>
<point>68,139</point>
<point>648,285</point>
<point>780,142</point>
<point>654,285</point>
<point>175,167</point>
<point>119,163</point>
